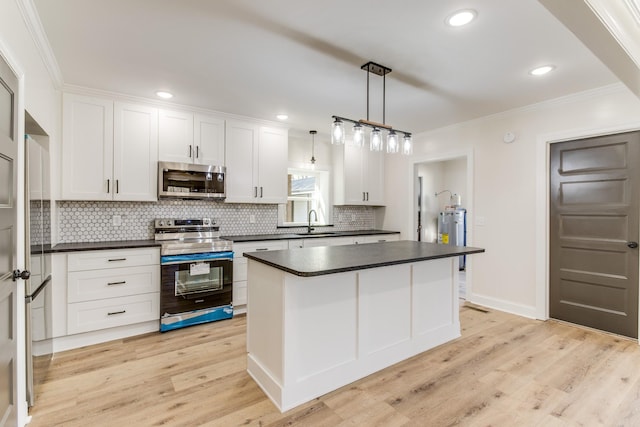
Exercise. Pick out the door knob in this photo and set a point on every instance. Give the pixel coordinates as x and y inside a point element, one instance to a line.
<point>632,245</point>
<point>24,275</point>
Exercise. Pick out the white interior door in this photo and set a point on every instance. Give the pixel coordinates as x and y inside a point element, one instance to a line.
<point>8,244</point>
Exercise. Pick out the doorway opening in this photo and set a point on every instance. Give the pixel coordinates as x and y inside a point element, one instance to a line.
<point>442,192</point>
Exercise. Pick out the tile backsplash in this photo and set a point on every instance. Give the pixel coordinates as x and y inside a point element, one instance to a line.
<point>93,221</point>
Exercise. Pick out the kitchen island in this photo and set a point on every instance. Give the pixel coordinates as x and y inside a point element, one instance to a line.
<point>320,318</point>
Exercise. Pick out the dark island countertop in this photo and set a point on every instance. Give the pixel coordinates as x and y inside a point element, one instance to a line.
<point>318,232</point>
<point>317,261</point>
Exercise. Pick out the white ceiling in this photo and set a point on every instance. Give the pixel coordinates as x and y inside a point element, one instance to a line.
<point>303,57</point>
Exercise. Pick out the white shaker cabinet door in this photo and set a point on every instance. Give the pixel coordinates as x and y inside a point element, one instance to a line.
<point>135,168</point>
<point>87,148</point>
<point>272,165</point>
<point>208,136</point>
<point>175,136</point>
<point>240,159</point>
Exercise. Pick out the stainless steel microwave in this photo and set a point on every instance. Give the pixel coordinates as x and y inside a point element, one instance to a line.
<point>191,181</point>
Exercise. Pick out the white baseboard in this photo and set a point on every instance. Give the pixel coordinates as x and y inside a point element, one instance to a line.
<point>502,305</point>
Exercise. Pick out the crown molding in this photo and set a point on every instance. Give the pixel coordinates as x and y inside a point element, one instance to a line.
<point>116,96</point>
<point>34,26</point>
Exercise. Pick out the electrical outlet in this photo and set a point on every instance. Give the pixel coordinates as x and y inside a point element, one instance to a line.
<point>252,219</point>
<point>117,220</point>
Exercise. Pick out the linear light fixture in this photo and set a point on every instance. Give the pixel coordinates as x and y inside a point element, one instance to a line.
<point>338,134</point>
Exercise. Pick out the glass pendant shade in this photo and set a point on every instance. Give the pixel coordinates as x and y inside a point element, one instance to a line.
<point>337,132</point>
<point>358,135</point>
<point>376,140</point>
<point>392,143</point>
<point>407,145</point>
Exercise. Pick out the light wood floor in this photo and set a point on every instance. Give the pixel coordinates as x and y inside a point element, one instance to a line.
<point>504,371</point>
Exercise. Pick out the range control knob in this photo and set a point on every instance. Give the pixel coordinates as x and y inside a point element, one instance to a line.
<point>160,223</point>
<point>169,222</point>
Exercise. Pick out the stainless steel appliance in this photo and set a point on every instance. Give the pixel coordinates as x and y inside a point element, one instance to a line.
<point>452,229</point>
<point>191,181</point>
<point>196,271</point>
<point>38,298</point>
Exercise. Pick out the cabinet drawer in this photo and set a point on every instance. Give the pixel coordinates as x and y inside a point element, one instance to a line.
<point>114,282</point>
<point>268,245</point>
<point>239,293</point>
<point>108,313</point>
<point>94,260</point>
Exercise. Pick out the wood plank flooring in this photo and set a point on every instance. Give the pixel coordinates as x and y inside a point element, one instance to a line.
<point>504,371</point>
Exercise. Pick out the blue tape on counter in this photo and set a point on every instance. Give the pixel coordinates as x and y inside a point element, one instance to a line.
<point>195,257</point>
<point>195,318</point>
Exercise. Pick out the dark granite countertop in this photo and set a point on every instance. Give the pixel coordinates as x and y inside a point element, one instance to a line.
<point>318,232</point>
<point>97,246</point>
<point>317,261</point>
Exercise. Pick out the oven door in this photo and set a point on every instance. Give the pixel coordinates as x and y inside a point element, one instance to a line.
<point>194,281</point>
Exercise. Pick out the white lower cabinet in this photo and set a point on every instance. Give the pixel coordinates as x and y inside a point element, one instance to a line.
<point>240,266</point>
<point>111,288</point>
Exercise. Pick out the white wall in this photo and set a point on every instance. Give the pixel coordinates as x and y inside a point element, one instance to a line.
<point>42,101</point>
<point>504,185</point>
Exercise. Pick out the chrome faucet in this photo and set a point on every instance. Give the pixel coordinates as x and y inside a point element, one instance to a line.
<point>316,215</point>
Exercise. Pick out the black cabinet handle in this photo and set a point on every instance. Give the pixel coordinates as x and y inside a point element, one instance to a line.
<point>632,245</point>
<point>113,313</point>
<point>117,259</point>
<point>197,152</point>
<point>190,152</point>
<point>108,186</point>
<point>116,283</point>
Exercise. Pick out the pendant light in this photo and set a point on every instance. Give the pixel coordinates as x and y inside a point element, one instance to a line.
<point>337,132</point>
<point>313,157</point>
<point>358,135</point>
<point>375,137</point>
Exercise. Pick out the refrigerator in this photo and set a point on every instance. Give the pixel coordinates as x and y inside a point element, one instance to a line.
<point>452,230</point>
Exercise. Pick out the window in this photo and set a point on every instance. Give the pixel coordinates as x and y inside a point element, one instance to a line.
<point>307,189</point>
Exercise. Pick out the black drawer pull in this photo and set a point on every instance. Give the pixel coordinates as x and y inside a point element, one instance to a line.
<point>116,312</point>
<point>116,283</point>
<point>117,259</point>
<point>262,249</point>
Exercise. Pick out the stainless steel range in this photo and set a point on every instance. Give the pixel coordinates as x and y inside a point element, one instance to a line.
<point>196,272</point>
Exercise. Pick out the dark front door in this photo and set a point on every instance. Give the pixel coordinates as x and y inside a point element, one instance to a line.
<point>593,264</point>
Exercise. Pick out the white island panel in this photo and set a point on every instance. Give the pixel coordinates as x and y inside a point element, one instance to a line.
<point>307,336</point>
<point>385,320</point>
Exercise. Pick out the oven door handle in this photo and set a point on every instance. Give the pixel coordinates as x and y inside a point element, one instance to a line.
<point>204,257</point>
<point>194,260</point>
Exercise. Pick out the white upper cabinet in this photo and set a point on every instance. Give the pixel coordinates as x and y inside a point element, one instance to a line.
<point>109,150</point>
<point>256,160</point>
<point>358,176</point>
<point>135,152</point>
<point>273,152</point>
<point>191,138</point>
<point>87,148</point>
<point>175,137</point>
<point>208,136</point>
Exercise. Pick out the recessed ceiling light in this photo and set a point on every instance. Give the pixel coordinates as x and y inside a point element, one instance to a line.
<point>461,17</point>
<point>164,95</point>
<point>539,71</point>
<point>282,117</point>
